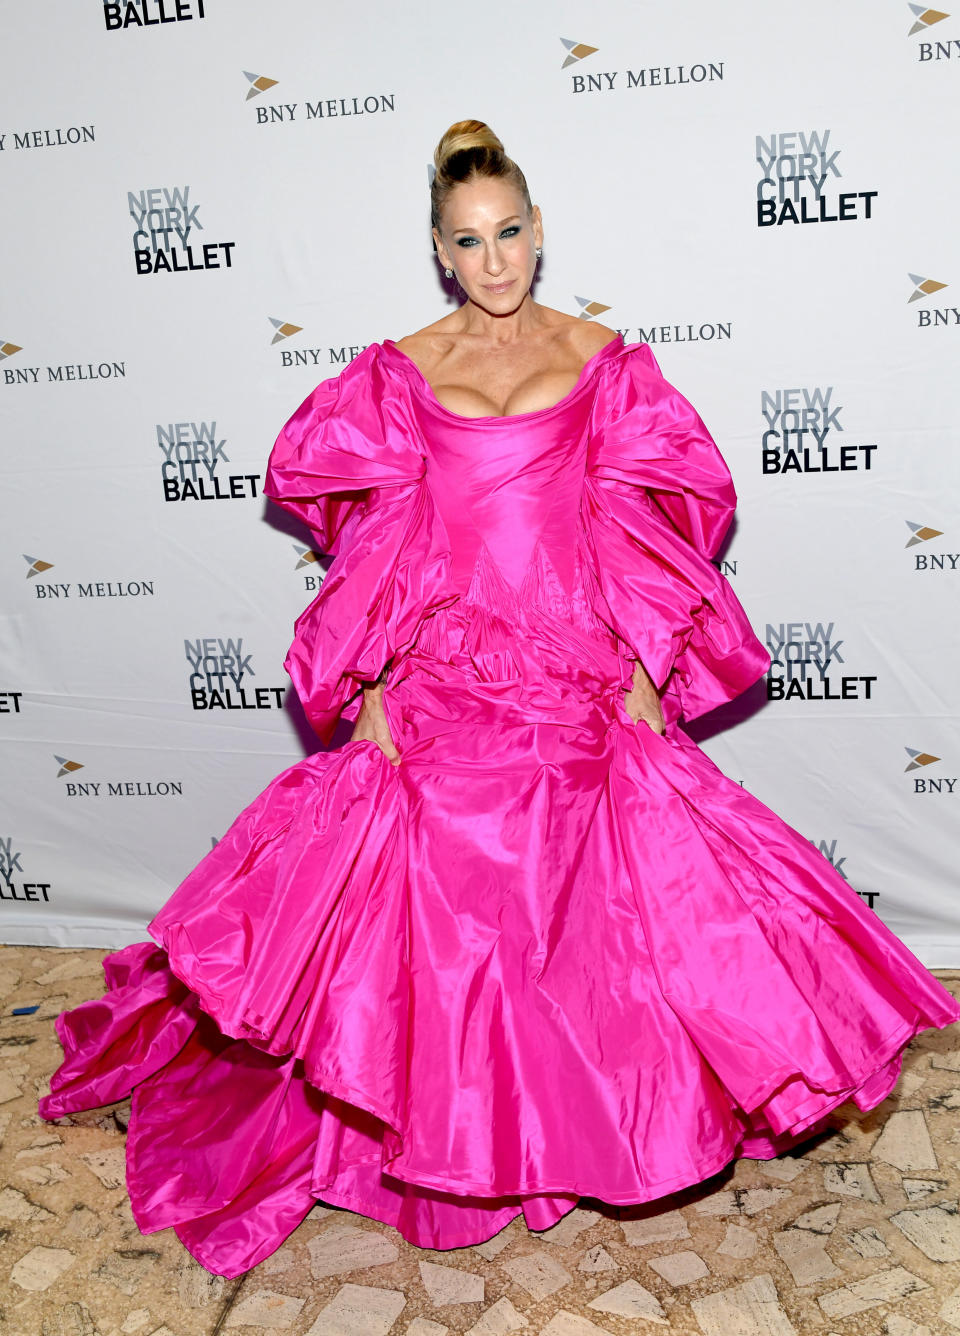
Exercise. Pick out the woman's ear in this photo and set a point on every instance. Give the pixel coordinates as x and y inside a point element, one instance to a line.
<point>537,218</point>
<point>441,250</point>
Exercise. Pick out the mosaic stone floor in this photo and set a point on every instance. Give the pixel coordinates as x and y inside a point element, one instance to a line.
<point>858,1234</point>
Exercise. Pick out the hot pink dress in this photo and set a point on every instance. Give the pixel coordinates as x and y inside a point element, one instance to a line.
<point>551,954</point>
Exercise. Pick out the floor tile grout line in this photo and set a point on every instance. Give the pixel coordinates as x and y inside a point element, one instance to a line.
<point>228,1305</point>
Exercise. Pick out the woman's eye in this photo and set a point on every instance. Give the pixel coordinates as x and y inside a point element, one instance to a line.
<point>474,241</point>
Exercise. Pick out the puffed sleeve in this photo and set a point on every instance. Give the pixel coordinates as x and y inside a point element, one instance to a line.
<point>658,500</point>
<point>349,464</point>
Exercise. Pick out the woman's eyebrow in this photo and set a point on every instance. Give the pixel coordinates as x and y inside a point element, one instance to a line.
<point>458,230</point>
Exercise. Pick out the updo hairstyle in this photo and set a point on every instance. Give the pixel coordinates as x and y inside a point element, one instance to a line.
<point>467,150</point>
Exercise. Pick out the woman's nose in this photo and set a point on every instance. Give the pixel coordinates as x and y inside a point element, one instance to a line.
<point>493,261</point>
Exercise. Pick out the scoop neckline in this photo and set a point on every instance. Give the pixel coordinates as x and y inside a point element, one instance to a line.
<point>503,417</point>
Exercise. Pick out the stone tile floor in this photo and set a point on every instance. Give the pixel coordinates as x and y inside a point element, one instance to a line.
<point>857,1234</point>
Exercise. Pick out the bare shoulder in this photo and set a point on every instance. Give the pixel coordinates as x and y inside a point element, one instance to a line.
<point>429,345</point>
<point>591,337</point>
<point>584,338</point>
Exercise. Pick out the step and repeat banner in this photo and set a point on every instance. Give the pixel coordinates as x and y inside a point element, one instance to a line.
<point>210,207</point>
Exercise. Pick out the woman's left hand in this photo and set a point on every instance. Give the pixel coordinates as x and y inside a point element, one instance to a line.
<point>642,701</point>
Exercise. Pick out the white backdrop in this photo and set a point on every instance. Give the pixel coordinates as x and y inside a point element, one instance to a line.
<point>285,225</point>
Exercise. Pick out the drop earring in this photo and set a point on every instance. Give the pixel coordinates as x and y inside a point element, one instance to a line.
<point>539,252</point>
<point>449,273</point>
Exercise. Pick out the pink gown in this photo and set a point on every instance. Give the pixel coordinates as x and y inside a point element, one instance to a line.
<point>552,954</point>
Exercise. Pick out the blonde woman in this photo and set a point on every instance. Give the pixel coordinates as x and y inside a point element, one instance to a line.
<point>516,941</point>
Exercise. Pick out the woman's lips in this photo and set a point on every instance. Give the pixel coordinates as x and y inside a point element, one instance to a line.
<point>499,287</point>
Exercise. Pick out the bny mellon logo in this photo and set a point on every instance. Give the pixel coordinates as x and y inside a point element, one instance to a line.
<point>576,51</point>
<point>923,287</point>
<point>66,767</point>
<point>589,309</point>
<point>919,758</point>
<point>284,329</point>
<point>306,556</point>
<point>924,18</point>
<point>921,533</point>
<point>7,349</point>
<point>37,567</point>
<point>259,83</point>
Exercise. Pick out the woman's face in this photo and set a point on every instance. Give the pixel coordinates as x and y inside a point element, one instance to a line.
<point>489,241</point>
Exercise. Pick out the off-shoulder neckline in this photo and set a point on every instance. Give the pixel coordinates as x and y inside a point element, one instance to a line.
<point>585,370</point>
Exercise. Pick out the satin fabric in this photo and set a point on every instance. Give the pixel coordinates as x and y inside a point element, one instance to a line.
<point>552,954</point>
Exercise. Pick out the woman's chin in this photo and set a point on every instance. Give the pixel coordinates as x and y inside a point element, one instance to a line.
<point>500,304</point>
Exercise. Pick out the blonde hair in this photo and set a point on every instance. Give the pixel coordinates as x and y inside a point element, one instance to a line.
<point>467,150</point>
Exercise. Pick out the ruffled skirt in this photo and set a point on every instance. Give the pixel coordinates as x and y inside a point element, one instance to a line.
<point>550,955</point>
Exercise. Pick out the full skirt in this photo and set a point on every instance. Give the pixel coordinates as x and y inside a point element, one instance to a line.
<point>547,956</point>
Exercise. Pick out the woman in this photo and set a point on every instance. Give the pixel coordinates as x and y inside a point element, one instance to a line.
<point>500,353</point>
<point>518,941</point>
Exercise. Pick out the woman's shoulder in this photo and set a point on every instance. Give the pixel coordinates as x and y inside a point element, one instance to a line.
<point>589,337</point>
<point>430,344</point>
<point>575,338</point>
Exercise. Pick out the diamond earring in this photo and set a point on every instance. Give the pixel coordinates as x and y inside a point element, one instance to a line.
<point>539,252</point>
<point>449,273</point>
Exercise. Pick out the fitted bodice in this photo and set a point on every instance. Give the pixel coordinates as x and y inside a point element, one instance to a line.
<point>509,484</point>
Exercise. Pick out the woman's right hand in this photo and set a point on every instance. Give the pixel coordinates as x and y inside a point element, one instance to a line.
<point>643,701</point>
<point>372,726</point>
